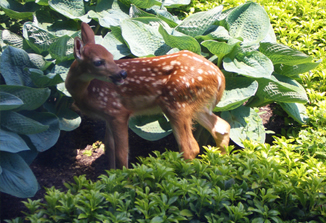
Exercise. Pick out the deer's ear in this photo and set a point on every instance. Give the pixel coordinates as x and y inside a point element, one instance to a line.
<point>87,33</point>
<point>78,49</point>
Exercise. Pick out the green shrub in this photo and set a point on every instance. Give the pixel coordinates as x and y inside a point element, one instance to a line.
<point>260,184</point>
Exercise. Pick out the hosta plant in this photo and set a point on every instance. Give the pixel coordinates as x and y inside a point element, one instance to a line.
<point>240,41</point>
<point>32,114</point>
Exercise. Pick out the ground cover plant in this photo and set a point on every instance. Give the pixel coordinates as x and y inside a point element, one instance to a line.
<point>260,184</point>
<point>240,41</point>
<point>272,183</point>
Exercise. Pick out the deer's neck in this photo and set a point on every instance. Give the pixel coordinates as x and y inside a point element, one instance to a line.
<point>76,86</point>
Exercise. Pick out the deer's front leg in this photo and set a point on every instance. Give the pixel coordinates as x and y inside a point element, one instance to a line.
<point>110,146</point>
<point>120,149</point>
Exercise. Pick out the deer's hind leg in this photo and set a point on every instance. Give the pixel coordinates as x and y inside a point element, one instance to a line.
<point>181,122</point>
<point>219,128</point>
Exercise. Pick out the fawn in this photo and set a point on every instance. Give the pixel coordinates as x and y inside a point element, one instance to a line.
<point>184,86</point>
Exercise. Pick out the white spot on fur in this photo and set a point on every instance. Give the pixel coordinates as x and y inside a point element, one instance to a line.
<point>199,60</point>
<point>167,67</point>
<point>175,62</point>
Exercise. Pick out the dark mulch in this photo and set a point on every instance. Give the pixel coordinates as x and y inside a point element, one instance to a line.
<point>66,159</point>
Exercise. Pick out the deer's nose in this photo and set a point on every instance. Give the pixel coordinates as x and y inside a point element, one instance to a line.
<point>123,74</point>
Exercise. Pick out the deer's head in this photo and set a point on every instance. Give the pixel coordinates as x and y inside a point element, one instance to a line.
<point>94,60</point>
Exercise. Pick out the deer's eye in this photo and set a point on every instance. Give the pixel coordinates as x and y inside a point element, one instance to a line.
<point>98,63</point>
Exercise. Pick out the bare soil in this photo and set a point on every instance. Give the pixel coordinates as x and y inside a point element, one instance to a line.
<point>68,157</point>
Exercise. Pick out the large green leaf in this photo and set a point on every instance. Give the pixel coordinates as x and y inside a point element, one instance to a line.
<point>109,17</point>
<point>296,111</point>
<point>12,39</point>
<point>72,9</point>
<point>142,3</point>
<point>117,48</point>
<point>249,22</point>
<point>135,12</point>
<point>62,48</point>
<point>46,139</point>
<point>165,15</point>
<point>41,80</point>
<point>16,179</point>
<point>31,97</point>
<point>29,155</point>
<point>220,49</point>
<point>219,34</point>
<point>175,3</point>
<point>281,54</point>
<point>103,5</point>
<point>117,33</point>
<point>238,90</point>
<point>62,69</point>
<point>198,23</point>
<point>37,38</point>
<point>295,70</point>
<point>61,107</point>
<point>18,11</point>
<point>11,142</point>
<point>12,66</point>
<point>160,13</point>
<point>38,61</point>
<point>280,89</point>
<point>9,101</point>
<point>182,42</point>
<point>143,40</point>
<point>270,37</point>
<point>20,124</point>
<point>250,63</point>
<point>245,124</point>
<point>151,128</point>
